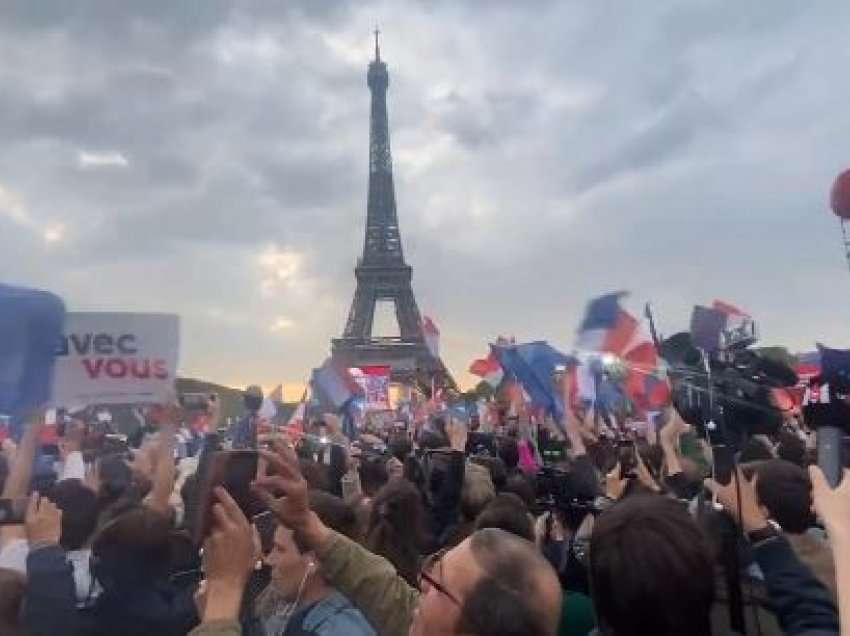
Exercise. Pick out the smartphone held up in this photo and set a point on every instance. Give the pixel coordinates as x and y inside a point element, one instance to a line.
<point>233,470</point>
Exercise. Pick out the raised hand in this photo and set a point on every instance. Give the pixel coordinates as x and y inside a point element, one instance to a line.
<point>17,483</point>
<point>749,514</point>
<point>230,551</point>
<point>72,441</point>
<point>673,430</point>
<point>833,507</point>
<point>285,492</point>
<point>615,483</point>
<point>574,430</point>
<point>832,504</point>
<point>162,458</point>
<point>230,554</point>
<point>669,437</point>
<point>43,522</point>
<point>644,476</point>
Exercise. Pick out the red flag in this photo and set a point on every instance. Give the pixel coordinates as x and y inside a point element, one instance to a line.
<point>730,310</point>
<point>488,369</point>
<point>432,336</point>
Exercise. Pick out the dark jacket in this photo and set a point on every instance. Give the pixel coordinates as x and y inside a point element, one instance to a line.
<point>51,601</point>
<point>790,600</point>
<point>816,553</point>
<point>139,610</point>
<point>801,603</point>
<point>151,609</point>
<point>442,499</point>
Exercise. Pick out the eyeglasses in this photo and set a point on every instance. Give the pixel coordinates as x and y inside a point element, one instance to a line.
<point>428,566</point>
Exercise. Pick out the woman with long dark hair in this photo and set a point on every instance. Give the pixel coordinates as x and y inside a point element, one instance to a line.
<point>396,527</point>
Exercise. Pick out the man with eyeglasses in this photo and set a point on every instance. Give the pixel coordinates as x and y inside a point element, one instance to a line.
<point>492,584</point>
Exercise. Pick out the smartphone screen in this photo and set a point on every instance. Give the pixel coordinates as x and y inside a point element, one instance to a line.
<point>234,470</point>
<point>12,511</point>
<point>266,525</point>
<point>553,452</point>
<point>628,460</point>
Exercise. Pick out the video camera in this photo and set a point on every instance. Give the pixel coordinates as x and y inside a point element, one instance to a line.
<point>556,490</point>
<point>725,390</point>
<point>720,385</point>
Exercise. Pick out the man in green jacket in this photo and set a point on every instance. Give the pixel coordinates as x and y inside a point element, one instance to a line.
<point>492,584</point>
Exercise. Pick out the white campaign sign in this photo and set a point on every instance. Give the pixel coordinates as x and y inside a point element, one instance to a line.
<point>116,358</point>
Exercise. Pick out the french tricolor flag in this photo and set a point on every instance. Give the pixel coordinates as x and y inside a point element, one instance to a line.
<point>721,326</point>
<point>334,384</point>
<point>296,420</point>
<point>489,369</point>
<point>737,320</point>
<point>609,328</point>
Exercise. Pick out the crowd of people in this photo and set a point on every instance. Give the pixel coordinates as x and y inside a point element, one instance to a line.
<point>434,530</point>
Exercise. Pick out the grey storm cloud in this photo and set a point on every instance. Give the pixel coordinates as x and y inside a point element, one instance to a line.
<point>209,158</point>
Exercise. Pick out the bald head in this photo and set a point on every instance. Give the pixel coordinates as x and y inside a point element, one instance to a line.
<point>518,592</point>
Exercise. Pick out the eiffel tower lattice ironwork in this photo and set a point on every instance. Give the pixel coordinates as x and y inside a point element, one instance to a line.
<point>382,273</point>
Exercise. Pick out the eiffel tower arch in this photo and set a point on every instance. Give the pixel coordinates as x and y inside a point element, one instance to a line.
<point>382,274</point>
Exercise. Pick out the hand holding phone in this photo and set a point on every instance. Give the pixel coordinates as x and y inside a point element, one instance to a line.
<point>231,553</point>
<point>233,470</point>
<point>627,458</point>
<point>43,521</point>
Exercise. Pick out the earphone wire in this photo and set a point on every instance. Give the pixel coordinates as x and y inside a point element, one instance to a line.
<point>291,609</point>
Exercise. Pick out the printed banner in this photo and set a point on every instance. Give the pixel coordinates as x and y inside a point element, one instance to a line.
<point>116,358</point>
<point>375,384</point>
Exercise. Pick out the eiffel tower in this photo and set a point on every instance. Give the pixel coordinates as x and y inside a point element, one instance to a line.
<point>382,273</point>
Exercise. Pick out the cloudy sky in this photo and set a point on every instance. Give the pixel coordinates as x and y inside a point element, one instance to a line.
<point>210,159</point>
